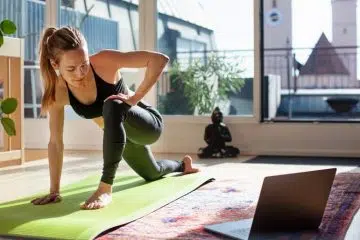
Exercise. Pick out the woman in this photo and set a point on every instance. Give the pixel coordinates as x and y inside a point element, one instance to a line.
<point>91,85</point>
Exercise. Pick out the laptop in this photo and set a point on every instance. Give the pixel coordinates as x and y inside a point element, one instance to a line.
<point>288,203</point>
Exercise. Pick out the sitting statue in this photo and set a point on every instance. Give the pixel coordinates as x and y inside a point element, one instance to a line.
<point>216,134</point>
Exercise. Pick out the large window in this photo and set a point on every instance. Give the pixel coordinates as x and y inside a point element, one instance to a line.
<point>211,57</point>
<point>310,62</point>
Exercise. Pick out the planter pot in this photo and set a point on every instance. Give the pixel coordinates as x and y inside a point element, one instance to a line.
<point>342,104</point>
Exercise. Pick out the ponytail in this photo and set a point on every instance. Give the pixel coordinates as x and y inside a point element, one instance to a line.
<point>47,72</point>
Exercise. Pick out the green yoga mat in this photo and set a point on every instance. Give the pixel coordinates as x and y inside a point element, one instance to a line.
<point>132,198</point>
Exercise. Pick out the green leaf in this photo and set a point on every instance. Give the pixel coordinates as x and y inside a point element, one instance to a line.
<point>8,105</point>
<point>206,82</point>
<point>1,39</point>
<point>9,126</point>
<point>8,27</point>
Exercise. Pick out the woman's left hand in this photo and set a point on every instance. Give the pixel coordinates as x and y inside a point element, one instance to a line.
<point>132,100</point>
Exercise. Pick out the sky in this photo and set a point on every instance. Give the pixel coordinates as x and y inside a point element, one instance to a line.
<point>307,24</point>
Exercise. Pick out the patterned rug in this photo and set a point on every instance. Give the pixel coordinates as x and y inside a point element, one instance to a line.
<point>231,200</point>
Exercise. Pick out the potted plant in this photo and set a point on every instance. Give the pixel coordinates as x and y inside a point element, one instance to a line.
<point>7,105</point>
<point>200,86</point>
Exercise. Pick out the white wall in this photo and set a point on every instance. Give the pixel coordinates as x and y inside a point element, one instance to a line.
<point>272,138</point>
<point>185,134</point>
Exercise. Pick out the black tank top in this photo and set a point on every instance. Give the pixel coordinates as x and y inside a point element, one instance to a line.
<point>104,90</point>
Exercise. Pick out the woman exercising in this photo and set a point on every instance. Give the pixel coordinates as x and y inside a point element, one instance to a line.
<point>92,86</point>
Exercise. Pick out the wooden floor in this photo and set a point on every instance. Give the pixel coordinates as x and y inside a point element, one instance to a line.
<point>39,154</point>
<point>33,176</point>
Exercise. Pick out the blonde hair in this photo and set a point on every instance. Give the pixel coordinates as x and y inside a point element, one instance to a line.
<point>53,43</point>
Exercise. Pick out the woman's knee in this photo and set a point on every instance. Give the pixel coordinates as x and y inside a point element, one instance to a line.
<point>149,177</point>
<point>115,109</point>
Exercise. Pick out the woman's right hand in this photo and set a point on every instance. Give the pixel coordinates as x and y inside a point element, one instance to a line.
<point>49,198</point>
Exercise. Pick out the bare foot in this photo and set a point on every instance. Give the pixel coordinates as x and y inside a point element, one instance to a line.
<point>100,198</point>
<point>188,168</point>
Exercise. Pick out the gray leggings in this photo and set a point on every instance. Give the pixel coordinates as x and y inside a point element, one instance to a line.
<point>128,132</point>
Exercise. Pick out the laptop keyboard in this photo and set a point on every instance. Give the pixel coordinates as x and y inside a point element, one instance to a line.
<point>241,231</point>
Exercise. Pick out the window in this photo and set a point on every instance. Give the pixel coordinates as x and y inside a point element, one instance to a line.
<point>310,63</point>
<point>188,50</point>
<point>211,60</point>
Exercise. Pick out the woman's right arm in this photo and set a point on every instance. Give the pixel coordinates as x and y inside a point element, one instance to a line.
<point>56,147</point>
<point>55,155</point>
